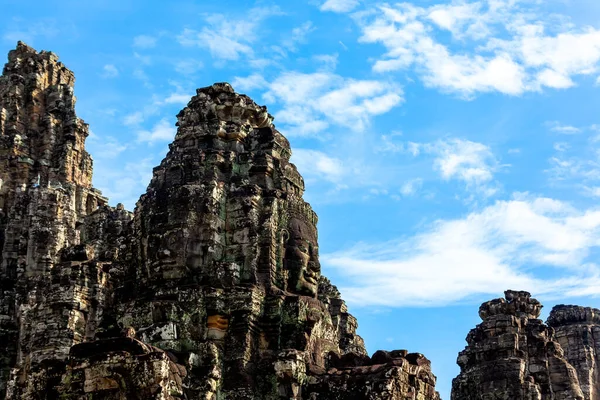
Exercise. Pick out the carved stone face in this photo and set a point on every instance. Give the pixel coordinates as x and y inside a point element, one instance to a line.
<point>302,258</point>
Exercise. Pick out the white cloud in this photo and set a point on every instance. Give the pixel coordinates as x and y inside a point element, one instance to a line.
<point>28,30</point>
<point>471,162</point>
<point>163,130</point>
<point>316,164</point>
<point>144,41</point>
<point>110,71</point>
<point>554,79</point>
<point>575,165</point>
<point>390,146</point>
<point>462,19</point>
<point>561,146</point>
<point>134,118</point>
<point>188,67</point>
<point>227,38</point>
<point>297,36</point>
<point>556,126</point>
<point>593,191</point>
<point>340,6</point>
<point>152,108</point>
<point>526,57</point>
<point>123,184</point>
<point>409,188</point>
<point>249,83</point>
<point>328,61</point>
<point>145,60</point>
<point>107,148</point>
<point>505,245</point>
<point>177,98</point>
<point>139,74</point>
<point>312,101</point>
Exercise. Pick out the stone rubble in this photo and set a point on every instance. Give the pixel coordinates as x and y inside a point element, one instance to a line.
<point>210,289</point>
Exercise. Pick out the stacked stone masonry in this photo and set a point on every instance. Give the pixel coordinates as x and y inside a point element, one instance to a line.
<point>513,355</point>
<point>210,289</point>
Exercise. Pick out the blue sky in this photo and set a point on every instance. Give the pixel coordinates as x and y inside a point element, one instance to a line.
<point>450,148</point>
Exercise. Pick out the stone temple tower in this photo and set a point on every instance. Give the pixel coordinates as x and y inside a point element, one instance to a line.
<point>210,289</point>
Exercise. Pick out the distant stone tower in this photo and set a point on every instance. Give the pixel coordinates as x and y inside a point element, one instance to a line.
<point>513,355</point>
<point>578,332</point>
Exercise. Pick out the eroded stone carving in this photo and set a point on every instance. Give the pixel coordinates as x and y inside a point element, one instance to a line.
<point>577,329</point>
<point>513,355</point>
<point>211,289</point>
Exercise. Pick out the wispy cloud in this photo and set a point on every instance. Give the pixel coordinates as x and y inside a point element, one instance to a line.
<point>110,71</point>
<point>471,162</point>
<point>311,102</point>
<point>124,184</point>
<point>141,75</point>
<point>328,61</point>
<point>188,67</point>
<point>529,59</point>
<point>556,126</point>
<point>226,37</point>
<point>316,164</point>
<point>144,41</point>
<point>411,187</point>
<point>340,6</point>
<point>249,83</point>
<point>134,118</point>
<point>298,35</point>
<point>483,253</point>
<point>163,130</point>
<point>28,31</point>
<point>177,98</point>
<point>107,148</point>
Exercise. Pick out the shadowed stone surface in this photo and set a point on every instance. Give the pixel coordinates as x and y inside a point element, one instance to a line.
<point>48,294</point>
<point>513,355</point>
<point>211,289</point>
<point>578,332</point>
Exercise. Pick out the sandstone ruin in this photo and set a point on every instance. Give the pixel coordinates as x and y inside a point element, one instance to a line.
<point>513,355</point>
<point>210,289</point>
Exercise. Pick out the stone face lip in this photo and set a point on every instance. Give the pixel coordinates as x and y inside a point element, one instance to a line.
<point>210,289</point>
<point>514,355</point>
